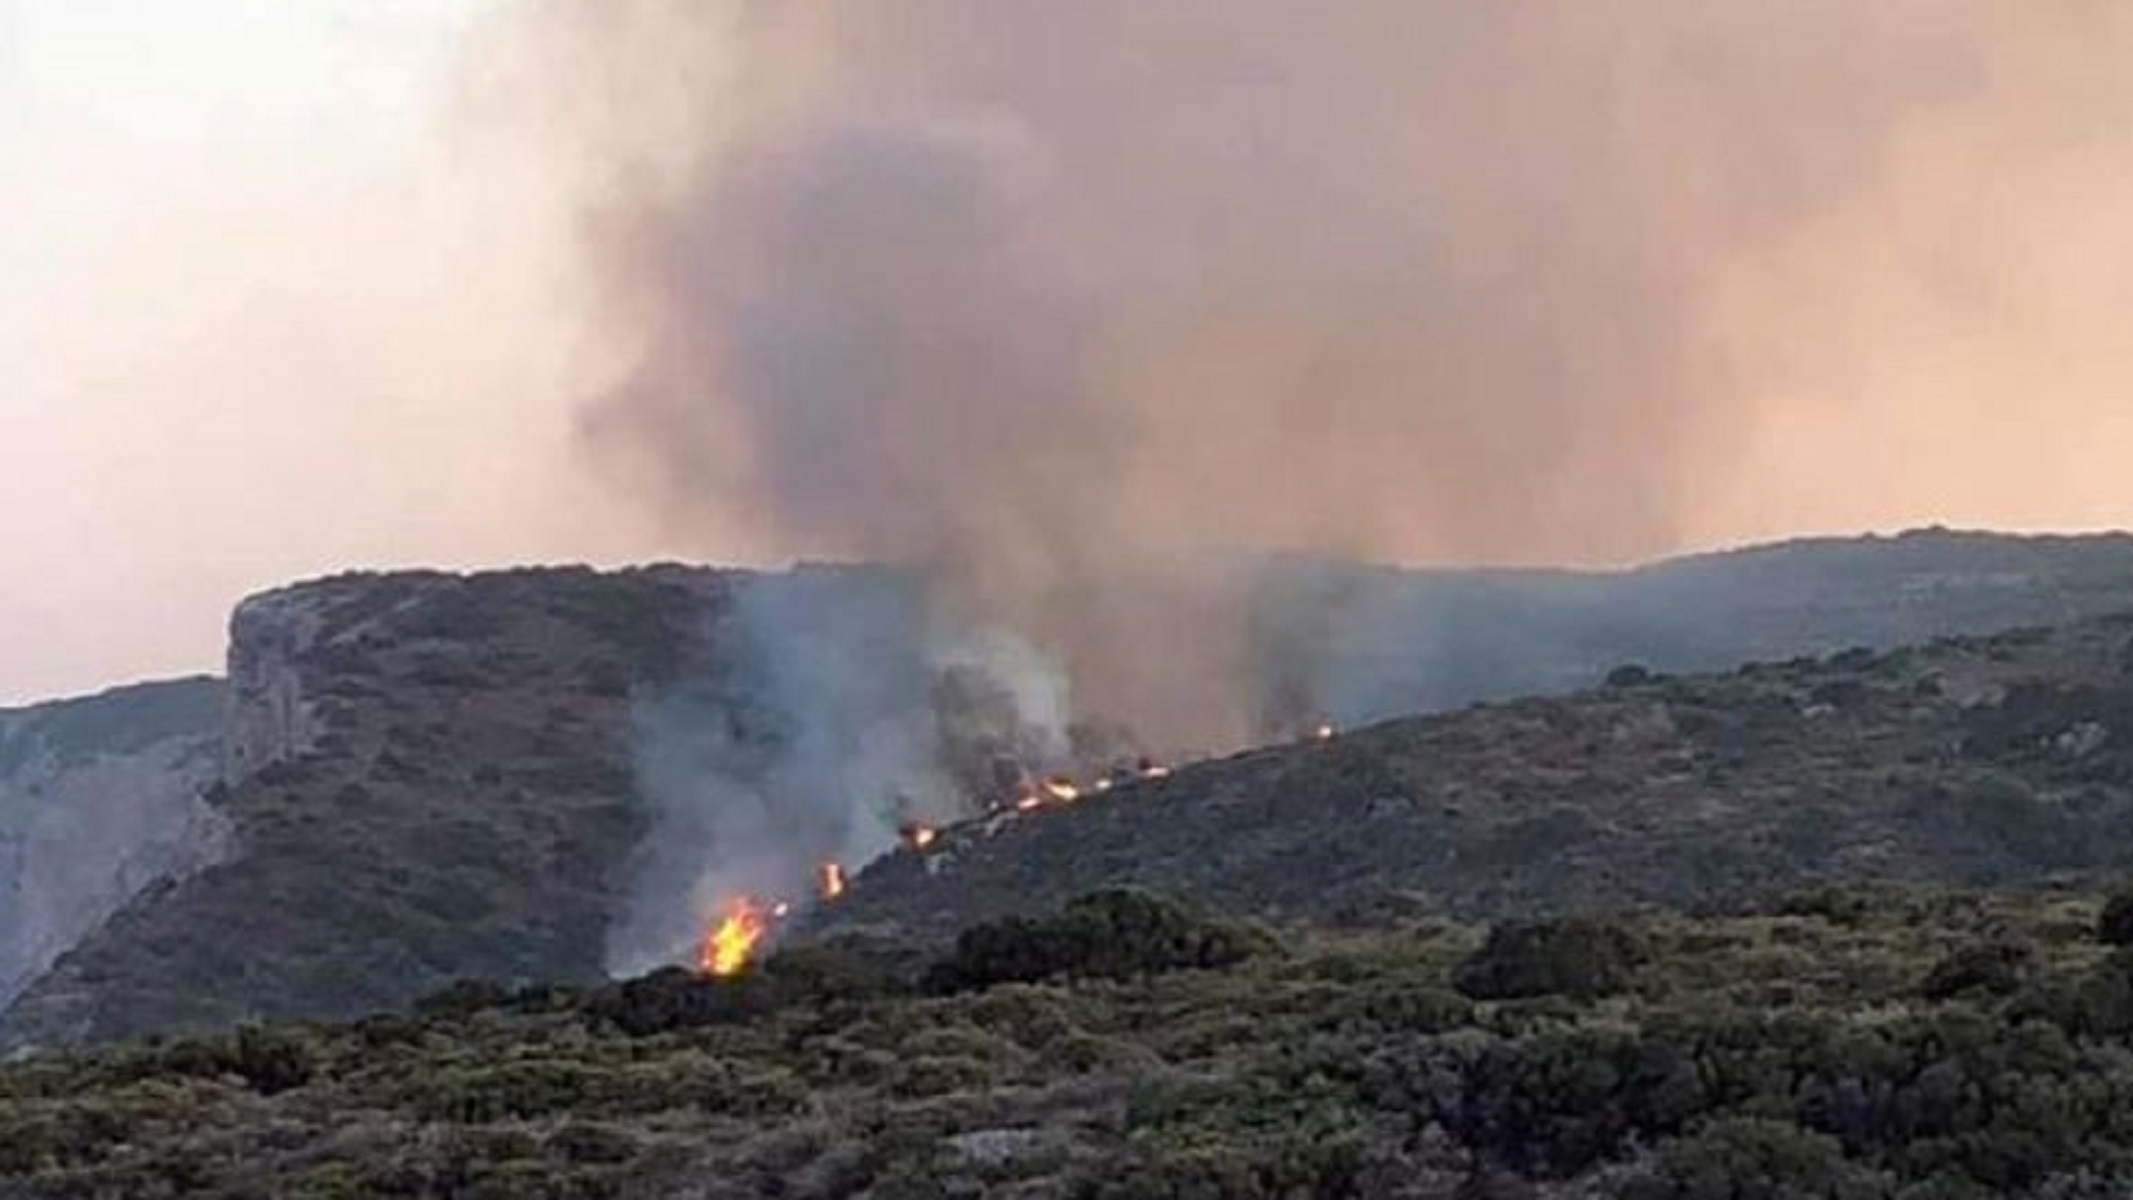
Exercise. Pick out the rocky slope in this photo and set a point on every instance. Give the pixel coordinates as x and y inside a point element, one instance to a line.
<point>1972,760</point>
<point>430,775</point>
<point>100,797</point>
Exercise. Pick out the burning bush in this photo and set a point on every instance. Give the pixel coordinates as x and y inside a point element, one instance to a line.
<point>678,998</point>
<point>1116,933</point>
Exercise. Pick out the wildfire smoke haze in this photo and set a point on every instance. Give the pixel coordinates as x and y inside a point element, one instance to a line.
<point>1086,306</point>
<point>1083,310</point>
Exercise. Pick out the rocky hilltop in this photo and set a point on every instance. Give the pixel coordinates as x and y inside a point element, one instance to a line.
<point>425,776</point>
<point>100,797</point>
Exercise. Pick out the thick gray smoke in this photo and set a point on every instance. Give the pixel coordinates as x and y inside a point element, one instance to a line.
<point>1083,307</point>
<point>1079,303</point>
<point>816,729</point>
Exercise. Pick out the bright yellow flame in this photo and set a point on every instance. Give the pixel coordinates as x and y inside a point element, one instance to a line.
<point>1062,789</point>
<point>832,881</point>
<point>728,947</point>
<point>1324,733</point>
<point>921,836</point>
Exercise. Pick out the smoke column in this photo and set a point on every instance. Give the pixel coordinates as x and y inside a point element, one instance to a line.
<point>1086,307</point>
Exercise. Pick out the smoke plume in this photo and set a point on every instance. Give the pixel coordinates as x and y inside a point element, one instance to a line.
<point>1084,308</point>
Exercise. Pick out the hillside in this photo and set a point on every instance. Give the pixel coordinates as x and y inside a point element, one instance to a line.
<point>1366,643</point>
<point>426,775</point>
<point>429,777</point>
<point>100,797</point>
<point>1966,760</point>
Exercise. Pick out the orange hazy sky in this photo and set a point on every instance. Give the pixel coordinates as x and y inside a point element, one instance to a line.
<point>285,290</point>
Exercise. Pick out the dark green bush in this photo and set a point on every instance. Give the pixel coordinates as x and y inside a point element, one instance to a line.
<point>844,969</point>
<point>463,998</point>
<point>2114,927</point>
<point>678,998</point>
<point>269,1059</point>
<point>526,1088</point>
<point>1991,967</point>
<point>1630,675</point>
<point>1755,1159</point>
<point>1116,934</point>
<point>1577,958</point>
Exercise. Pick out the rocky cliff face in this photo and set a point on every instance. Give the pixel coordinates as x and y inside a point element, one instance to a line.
<point>427,776</point>
<point>274,711</point>
<point>100,798</point>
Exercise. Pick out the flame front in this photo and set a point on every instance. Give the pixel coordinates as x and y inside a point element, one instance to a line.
<point>726,950</point>
<point>832,881</point>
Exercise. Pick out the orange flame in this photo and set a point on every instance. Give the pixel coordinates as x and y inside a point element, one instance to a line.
<point>832,881</point>
<point>728,947</point>
<point>920,836</point>
<point>1062,789</point>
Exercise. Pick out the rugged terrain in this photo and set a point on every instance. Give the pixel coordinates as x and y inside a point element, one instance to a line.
<point>1368,643</point>
<point>1971,760</point>
<point>425,776</point>
<point>100,797</point>
<point>428,778</point>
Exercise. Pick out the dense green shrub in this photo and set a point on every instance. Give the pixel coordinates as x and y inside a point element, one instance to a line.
<point>678,998</point>
<point>1748,1158</point>
<point>1994,967</point>
<point>1576,958</point>
<point>2114,926</point>
<point>1116,933</point>
<point>527,1088</point>
<point>1630,675</point>
<point>269,1059</point>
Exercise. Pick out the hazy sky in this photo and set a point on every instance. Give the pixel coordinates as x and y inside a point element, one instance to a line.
<point>268,309</point>
<point>285,289</point>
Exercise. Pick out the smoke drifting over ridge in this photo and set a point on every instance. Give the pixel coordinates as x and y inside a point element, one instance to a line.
<point>1084,303</point>
<point>1088,306</point>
